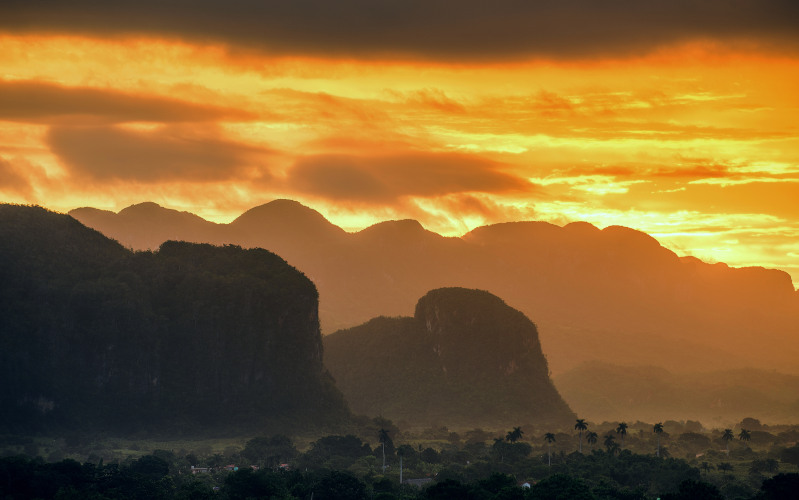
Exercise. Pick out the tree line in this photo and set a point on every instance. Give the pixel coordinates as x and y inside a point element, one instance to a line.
<point>505,467</point>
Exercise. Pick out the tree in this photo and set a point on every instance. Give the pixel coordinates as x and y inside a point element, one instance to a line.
<point>695,490</point>
<point>246,483</point>
<point>658,430</point>
<point>622,429</point>
<point>270,451</point>
<point>744,435</point>
<point>339,486</point>
<point>581,426</point>
<point>448,489</point>
<point>780,486</point>
<point>610,443</point>
<point>150,466</point>
<point>549,438</point>
<point>561,486</point>
<point>384,438</point>
<point>431,456</point>
<point>790,455</point>
<point>591,437</point>
<point>764,465</point>
<point>349,447</point>
<point>727,437</point>
<point>514,435</point>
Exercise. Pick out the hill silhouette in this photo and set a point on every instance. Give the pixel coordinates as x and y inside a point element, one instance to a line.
<point>465,359</point>
<point>191,338</point>
<point>131,229</point>
<point>614,295</point>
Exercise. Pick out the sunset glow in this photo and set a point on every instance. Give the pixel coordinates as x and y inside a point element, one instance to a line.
<point>693,139</point>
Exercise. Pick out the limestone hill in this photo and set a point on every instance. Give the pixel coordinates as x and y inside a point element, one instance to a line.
<point>464,359</point>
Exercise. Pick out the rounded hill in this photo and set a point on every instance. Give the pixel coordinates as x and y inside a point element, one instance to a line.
<point>464,359</point>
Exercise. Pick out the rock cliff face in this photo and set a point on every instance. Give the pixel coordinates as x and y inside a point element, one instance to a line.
<point>465,359</point>
<point>190,338</point>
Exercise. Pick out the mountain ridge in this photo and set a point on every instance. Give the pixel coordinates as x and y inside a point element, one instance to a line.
<point>578,281</point>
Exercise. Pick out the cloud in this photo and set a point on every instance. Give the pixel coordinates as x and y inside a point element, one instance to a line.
<point>324,108</point>
<point>430,98</point>
<point>707,171</point>
<point>12,181</point>
<point>685,170</point>
<point>191,154</point>
<point>386,178</point>
<point>37,102</point>
<point>431,29</point>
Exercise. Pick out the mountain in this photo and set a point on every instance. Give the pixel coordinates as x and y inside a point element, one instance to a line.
<point>464,359</point>
<point>651,394</point>
<point>189,339</point>
<point>146,225</point>
<point>286,225</point>
<point>614,295</point>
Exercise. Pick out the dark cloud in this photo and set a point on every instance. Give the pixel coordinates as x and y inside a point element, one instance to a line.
<point>438,29</point>
<point>37,102</point>
<point>167,153</point>
<point>386,178</point>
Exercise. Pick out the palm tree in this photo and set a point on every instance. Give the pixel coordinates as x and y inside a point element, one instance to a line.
<point>514,435</point>
<point>384,438</point>
<point>658,430</point>
<point>581,426</point>
<point>591,438</point>
<point>610,443</point>
<point>727,437</point>
<point>744,435</point>
<point>622,429</point>
<point>549,438</point>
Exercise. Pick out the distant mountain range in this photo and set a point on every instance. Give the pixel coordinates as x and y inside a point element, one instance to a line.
<point>464,359</point>
<point>192,339</point>
<point>614,295</point>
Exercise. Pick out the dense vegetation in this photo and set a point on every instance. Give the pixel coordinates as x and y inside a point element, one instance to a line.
<point>465,358</point>
<point>433,464</point>
<point>182,340</point>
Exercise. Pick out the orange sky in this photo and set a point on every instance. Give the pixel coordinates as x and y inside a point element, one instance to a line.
<point>685,131</point>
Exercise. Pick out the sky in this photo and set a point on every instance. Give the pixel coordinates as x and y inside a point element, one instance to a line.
<point>677,118</point>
